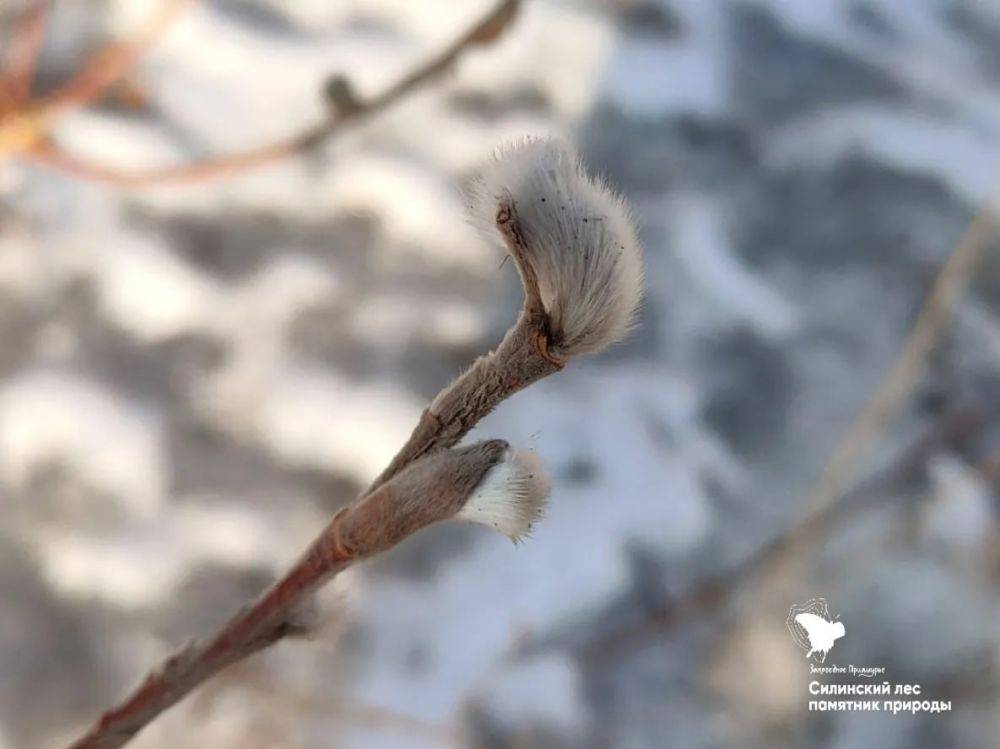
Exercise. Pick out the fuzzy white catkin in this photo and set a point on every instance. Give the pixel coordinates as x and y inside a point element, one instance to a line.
<point>580,237</point>
<point>511,497</point>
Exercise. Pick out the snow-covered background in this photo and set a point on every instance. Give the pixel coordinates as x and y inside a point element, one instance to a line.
<point>193,379</point>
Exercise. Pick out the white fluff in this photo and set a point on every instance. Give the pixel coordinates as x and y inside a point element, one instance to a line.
<point>511,497</point>
<point>580,237</point>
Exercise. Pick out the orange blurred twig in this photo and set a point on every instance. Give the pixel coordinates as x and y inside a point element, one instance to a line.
<point>26,124</point>
<point>345,107</point>
<point>110,64</point>
<point>20,68</point>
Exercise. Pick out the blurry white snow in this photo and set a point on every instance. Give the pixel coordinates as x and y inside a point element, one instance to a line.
<point>658,76</point>
<point>307,416</point>
<point>730,292</point>
<point>390,319</point>
<point>967,159</point>
<point>416,210</point>
<point>575,559</point>
<point>111,140</point>
<point>960,513</point>
<point>21,275</point>
<point>116,445</point>
<point>151,292</point>
<point>257,311</point>
<point>314,418</point>
<point>116,567</point>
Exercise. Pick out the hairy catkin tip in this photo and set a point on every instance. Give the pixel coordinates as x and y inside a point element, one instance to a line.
<point>578,237</point>
<point>511,497</point>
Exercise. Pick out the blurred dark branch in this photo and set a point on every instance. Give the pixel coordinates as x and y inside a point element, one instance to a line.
<point>344,108</point>
<point>989,470</point>
<point>975,678</point>
<point>831,500</point>
<point>719,589</point>
<point>894,392</point>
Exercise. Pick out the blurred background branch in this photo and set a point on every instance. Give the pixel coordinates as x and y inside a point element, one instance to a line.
<point>705,598</point>
<point>809,407</point>
<point>25,126</point>
<point>837,494</point>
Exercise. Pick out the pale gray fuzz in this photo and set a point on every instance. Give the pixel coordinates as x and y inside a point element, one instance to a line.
<point>511,497</point>
<point>579,237</point>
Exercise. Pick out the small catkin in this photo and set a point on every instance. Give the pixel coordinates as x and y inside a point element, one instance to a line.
<point>511,497</point>
<point>579,237</point>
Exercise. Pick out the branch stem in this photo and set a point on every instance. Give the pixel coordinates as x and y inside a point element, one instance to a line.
<point>429,491</point>
<point>520,360</point>
<point>484,31</point>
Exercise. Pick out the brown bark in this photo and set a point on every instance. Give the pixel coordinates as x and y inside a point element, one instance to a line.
<point>428,491</point>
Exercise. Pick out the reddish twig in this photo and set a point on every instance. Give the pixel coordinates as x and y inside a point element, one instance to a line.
<point>25,125</point>
<point>110,64</point>
<point>47,154</point>
<point>345,108</point>
<point>19,72</point>
<point>428,491</point>
<point>383,518</point>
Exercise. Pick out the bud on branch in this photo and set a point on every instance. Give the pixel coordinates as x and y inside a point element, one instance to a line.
<point>573,240</point>
<point>575,247</point>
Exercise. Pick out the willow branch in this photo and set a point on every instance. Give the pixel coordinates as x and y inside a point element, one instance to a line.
<point>345,108</point>
<point>429,481</point>
<point>433,489</point>
<point>437,488</point>
<point>517,362</point>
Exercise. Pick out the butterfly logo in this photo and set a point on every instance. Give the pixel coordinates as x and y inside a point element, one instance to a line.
<point>813,629</point>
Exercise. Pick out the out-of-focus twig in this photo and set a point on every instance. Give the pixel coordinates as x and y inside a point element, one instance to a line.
<point>110,64</point>
<point>715,591</point>
<point>345,108</point>
<point>830,498</point>
<point>20,68</point>
<point>26,127</point>
<point>895,389</point>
